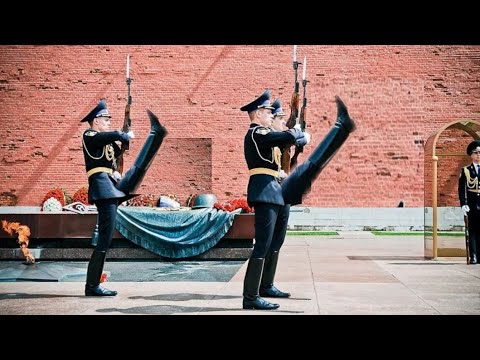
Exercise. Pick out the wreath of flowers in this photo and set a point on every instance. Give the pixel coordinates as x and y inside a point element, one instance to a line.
<point>231,205</point>
<point>149,200</point>
<point>81,195</point>
<point>58,194</point>
<point>51,204</point>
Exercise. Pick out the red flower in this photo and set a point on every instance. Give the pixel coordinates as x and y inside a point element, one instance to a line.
<point>103,278</point>
<point>56,193</point>
<point>149,200</point>
<point>81,195</point>
<point>233,205</point>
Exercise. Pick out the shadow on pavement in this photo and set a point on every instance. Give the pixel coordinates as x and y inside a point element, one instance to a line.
<point>185,297</point>
<point>10,296</point>
<point>174,309</point>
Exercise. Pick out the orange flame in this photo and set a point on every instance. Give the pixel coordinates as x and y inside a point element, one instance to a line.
<point>23,232</point>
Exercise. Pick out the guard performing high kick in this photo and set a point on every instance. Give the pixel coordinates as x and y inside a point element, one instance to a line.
<point>268,194</point>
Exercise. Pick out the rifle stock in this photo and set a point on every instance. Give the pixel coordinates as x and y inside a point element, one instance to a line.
<point>127,123</point>
<point>292,120</point>
<point>303,124</point>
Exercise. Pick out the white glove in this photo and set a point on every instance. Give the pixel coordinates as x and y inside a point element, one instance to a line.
<point>308,137</point>
<point>282,174</point>
<point>465,210</point>
<point>131,135</point>
<point>297,126</point>
<point>116,175</point>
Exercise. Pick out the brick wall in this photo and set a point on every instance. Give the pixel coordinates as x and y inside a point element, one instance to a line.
<point>398,95</point>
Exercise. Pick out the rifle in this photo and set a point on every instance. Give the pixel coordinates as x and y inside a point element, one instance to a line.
<point>467,239</point>
<point>292,120</point>
<point>127,122</point>
<point>303,115</point>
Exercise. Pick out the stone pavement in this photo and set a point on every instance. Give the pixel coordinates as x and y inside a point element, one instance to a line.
<point>350,273</point>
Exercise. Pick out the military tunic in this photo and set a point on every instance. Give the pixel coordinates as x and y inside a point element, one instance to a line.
<point>469,189</point>
<point>469,194</point>
<point>100,152</point>
<point>262,155</point>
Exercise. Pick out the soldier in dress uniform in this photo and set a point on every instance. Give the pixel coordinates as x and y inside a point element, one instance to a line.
<point>106,187</point>
<point>469,195</point>
<point>267,287</point>
<point>262,154</point>
<point>278,122</point>
<point>268,195</point>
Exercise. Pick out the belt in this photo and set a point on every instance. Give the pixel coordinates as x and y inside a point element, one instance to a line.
<point>264,171</point>
<point>475,191</point>
<point>99,169</point>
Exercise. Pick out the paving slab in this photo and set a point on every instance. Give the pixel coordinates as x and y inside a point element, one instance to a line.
<point>350,274</point>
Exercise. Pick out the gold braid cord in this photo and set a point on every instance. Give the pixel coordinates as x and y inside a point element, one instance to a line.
<point>471,183</point>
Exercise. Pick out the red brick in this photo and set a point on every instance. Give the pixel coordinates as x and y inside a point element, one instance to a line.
<point>399,96</point>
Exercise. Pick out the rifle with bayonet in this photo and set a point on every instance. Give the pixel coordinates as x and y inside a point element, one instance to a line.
<point>127,121</point>
<point>303,115</point>
<point>292,120</point>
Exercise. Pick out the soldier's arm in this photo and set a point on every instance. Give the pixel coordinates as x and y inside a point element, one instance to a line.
<point>266,138</point>
<point>462,188</point>
<point>301,141</point>
<point>116,149</point>
<point>108,137</point>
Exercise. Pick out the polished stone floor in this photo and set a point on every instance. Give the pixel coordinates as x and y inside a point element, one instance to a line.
<point>352,273</point>
<point>120,271</point>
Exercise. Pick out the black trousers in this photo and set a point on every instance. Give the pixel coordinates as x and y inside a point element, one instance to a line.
<point>107,214</point>
<point>270,228</point>
<point>474,232</point>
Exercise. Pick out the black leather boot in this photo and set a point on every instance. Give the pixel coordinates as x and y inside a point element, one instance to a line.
<point>267,289</point>
<point>251,285</point>
<point>334,138</point>
<point>94,273</point>
<point>299,182</point>
<point>134,175</point>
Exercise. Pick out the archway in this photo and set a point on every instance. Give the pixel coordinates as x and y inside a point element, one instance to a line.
<point>444,157</point>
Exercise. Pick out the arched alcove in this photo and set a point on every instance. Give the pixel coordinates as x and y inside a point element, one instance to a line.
<point>444,157</point>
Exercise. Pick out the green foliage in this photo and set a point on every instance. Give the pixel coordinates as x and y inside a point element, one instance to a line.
<point>312,233</point>
<point>416,233</point>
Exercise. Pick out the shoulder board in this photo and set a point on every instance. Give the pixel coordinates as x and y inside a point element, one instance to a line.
<point>466,171</point>
<point>262,131</point>
<point>90,133</point>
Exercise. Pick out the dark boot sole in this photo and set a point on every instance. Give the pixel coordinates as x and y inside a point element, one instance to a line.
<point>275,296</point>
<point>100,291</point>
<point>249,307</point>
<point>101,295</point>
<point>343,116</point>
<point>95,294</point>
